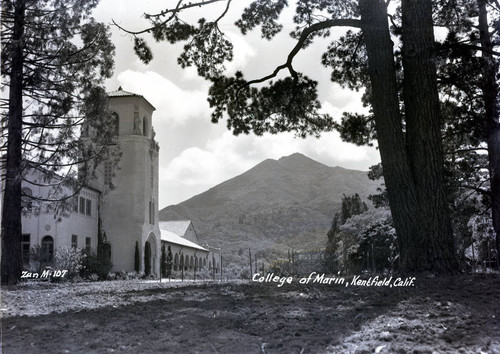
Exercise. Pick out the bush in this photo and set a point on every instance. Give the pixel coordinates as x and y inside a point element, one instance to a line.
<point>93,264</point>
<point>70,259</point>
<point>35,262</point>
<point>378,247</point>
<point>245,274</point>
<point>136,257</point>
<point>147,258</point>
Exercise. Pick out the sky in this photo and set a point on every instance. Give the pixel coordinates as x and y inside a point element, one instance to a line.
<point>196,154</point>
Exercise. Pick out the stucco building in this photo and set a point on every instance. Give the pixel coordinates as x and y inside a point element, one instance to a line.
<point>44,226</point>
<point>180,239</point>
<point>124,198</point>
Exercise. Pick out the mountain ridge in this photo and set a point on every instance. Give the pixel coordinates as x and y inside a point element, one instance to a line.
<point>274,205</point>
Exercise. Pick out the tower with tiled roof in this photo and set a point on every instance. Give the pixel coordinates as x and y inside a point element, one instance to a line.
<point>129,209</point>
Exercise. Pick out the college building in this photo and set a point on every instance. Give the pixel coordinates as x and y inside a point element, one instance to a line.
<point>123,199</point>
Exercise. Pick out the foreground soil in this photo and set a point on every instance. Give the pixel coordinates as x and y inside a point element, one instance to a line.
<point>451,315</point>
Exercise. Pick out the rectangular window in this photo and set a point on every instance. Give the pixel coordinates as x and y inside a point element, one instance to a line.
<point>151,213</point>
<point>88,210</point>
<point>82,205</point>
<point>25,248</point>
<point>74,241</point>
<point>87,244</point>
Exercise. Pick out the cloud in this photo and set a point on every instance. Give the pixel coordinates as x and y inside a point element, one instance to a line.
<point>344,100</point>
<point>176,105</point>
<point>243,52</point>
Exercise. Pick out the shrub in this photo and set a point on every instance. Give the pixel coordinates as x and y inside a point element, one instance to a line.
<point>245,274</point>
<point>93,264</point>
<point>36,264</point>
<point>70,259</point>
<point>136,257</point>
<point>147,258</point>
<point>163,262</point>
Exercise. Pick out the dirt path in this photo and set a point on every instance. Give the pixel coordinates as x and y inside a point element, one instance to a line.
<point>446,315</point>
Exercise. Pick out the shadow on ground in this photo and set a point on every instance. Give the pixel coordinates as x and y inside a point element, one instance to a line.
<point>446,315</point>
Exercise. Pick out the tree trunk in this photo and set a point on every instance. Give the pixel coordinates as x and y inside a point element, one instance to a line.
<point>413,167</point>
<point>11,211</point>
<point>385,104</point>
<point>490,91</point>
<point>433,248</point>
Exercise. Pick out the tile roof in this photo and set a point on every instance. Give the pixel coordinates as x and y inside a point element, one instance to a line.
<point>122,93</point>
<point>171,237</point>
<point>177,227</point>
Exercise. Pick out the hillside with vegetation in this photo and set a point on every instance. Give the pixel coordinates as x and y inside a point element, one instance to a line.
<point>275,206</point>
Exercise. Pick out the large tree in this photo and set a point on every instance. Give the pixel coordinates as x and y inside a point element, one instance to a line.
<point>468,68</point>
<point>55,57</point>
<point>401,89</point>
<point>490,89</point>
<point>467,65</point>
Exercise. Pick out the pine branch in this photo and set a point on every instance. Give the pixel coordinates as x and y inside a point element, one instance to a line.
<point>300,43</point>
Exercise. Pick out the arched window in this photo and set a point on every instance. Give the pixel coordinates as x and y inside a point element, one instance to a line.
<point>199,263</point>
<point>186,262</point>
<point>47,249</point>
<point>116,122</point>
<point>176,261</point>
<point>26,200</point>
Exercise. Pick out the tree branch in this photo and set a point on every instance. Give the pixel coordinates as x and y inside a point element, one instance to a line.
<point>178,8</point>
<point>173,13</point>
<point>303,37</point>
<point>224,12</point>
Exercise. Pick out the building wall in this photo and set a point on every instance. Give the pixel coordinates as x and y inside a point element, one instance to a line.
<point>209,259</point>
<point>41,219</point>
<point>127,207</point>
<point>178,250</point>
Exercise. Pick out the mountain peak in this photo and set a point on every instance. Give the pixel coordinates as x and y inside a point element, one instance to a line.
<point>294,156</point>
<point>282,203</point>
<point>299,161</point>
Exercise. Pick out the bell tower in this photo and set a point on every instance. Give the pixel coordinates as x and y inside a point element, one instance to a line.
<point>129,207</point>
